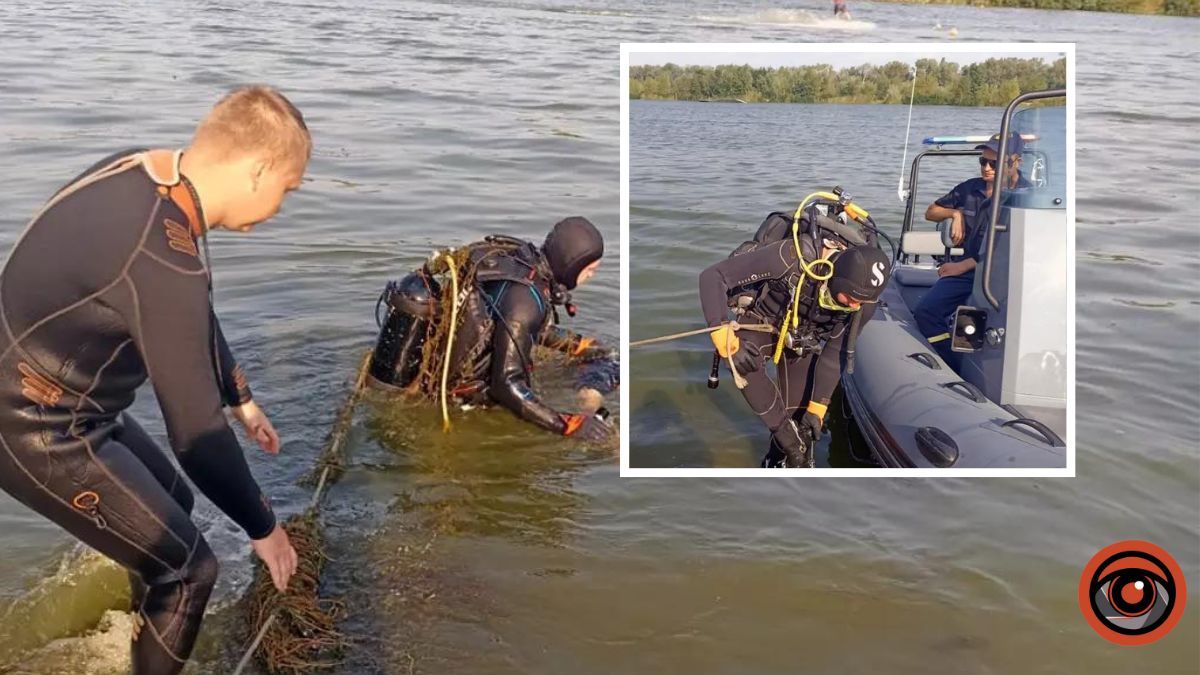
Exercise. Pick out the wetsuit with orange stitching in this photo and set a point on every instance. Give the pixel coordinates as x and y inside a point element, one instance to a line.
<point>105,289</point>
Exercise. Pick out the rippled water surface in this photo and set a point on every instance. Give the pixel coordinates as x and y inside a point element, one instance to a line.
<point>499,549</point>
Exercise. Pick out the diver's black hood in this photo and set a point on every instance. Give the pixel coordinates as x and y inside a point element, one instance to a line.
<point>861,272</point>
<point>572,245</point>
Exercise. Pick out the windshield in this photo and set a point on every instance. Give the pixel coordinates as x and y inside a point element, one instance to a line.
<point>1044,160</point>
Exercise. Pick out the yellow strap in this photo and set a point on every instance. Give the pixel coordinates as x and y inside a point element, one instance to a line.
<point>938,338</point>
<point>782,336</point>
<point>817,408</point>
<point>449,341</point>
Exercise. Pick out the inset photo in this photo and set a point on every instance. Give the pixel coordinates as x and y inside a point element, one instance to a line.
<point>850,258</point>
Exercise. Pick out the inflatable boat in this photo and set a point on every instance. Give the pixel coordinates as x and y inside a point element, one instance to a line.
<point>1006,405</point>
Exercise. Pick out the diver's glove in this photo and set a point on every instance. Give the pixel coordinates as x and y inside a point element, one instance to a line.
<point>725,340</point>
<point>813,420</point>
<point>593,427</point>
<point>747,359</point>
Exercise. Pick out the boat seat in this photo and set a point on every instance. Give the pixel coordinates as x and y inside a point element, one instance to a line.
<point>916,275</point>
<point>925,243</point>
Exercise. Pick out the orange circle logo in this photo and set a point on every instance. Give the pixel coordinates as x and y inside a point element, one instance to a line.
<point>1132,593</point>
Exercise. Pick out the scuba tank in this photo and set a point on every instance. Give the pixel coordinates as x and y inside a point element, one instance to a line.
<point>414,334</point>
<point>411,304</point>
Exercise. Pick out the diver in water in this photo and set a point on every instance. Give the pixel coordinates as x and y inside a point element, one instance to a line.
<point>968,206</point>
<point>511,289</point>
<point>820,296</point>
<point>105,289</point>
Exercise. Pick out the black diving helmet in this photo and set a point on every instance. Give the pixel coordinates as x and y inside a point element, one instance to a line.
<point>572,245</point>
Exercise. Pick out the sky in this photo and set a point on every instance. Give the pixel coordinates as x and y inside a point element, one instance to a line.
<point>837,60</point>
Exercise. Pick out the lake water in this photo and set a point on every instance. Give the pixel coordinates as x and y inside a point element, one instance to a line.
<point>500,549</point>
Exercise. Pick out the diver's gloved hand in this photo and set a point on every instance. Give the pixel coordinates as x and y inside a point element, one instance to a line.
<point>747,359</point>
<point>592,428</point>
<point>813,420</point>
<point>725,340</point>
<point>795,444</point>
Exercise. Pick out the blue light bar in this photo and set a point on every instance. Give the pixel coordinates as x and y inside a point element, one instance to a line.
<point>968,140</point>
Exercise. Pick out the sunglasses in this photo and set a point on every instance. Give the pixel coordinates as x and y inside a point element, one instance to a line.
<point>983,161</point>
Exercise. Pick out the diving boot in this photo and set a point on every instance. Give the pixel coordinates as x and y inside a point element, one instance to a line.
<point>774,459</point>
<point>796,447</point>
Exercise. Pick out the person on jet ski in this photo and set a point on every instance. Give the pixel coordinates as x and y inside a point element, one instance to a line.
<point>969,205</point>
<point>511,288</point>
<point>821,301</point>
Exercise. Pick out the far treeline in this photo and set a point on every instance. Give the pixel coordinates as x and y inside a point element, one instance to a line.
<point>1170,7</point>
<point>993,82</point>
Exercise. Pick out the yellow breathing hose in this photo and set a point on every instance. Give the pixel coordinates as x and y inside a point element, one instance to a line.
<point>792,319</point>
<point>449,340</point>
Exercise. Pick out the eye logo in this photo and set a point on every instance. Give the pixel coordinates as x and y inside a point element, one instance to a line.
<point>1132,593</point>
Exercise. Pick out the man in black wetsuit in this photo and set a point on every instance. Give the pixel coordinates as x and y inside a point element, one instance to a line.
<point>106,288</point>
<point>572,252</point>
<point>816,347</point>
<point>510,310</point>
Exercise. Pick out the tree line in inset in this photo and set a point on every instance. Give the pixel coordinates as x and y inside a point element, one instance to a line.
<point>993,82</point>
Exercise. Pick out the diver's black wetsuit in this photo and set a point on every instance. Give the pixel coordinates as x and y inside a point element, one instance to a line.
<point>103,290</point>
<point>525,311</point>
<point>801,378</point>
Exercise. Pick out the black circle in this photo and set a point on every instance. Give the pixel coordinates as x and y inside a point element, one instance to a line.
<point>1124,579</point>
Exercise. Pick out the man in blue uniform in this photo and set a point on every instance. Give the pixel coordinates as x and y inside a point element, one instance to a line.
<point>969,206</point>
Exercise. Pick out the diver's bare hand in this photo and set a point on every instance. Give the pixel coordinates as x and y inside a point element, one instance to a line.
<point>277,554</point>
<point>589,400</point>
<point>258,426</point>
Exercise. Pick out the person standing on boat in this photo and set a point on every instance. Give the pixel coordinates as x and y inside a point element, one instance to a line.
<point>968,206</point>
<point>831,315</point>
<point>105,289</point>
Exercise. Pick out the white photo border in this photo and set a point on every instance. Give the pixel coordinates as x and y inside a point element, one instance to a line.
<point>901,48</point>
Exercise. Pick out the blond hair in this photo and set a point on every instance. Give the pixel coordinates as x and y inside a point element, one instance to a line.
<point>255,119</point>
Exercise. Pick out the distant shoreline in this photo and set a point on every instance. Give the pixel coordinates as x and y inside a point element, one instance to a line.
<point>1153,7</point>
<point>993,82</point>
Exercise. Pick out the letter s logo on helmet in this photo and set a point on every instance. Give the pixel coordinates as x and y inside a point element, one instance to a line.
<point>877,274</point>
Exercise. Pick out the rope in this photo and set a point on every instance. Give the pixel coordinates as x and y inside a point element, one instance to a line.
<point>254,645</point>
<point>738,380</point>
<point>900,191</point>
<point>757,327</point>
<point>336,439</point>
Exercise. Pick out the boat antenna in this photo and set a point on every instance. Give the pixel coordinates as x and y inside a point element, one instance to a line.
<point>900,191</point>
